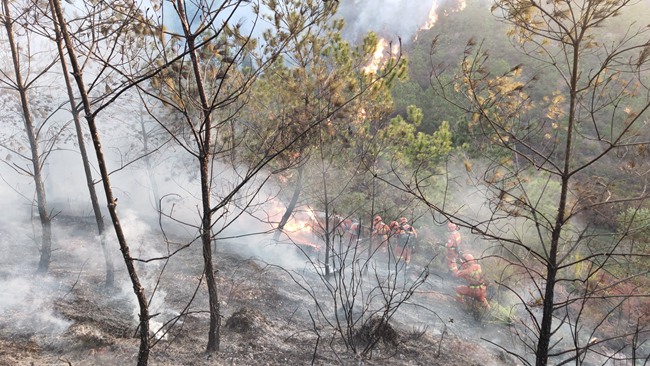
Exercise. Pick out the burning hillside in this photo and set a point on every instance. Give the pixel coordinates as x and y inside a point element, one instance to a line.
<point>393,19</point>
<point>389,33</point>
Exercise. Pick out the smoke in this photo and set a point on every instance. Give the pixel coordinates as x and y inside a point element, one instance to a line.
<point>393,18</point>
<point>388,18</point>
<point>470,204</point>
<point>26,308</point>
<point>158,307</point>
<point>252,235</point>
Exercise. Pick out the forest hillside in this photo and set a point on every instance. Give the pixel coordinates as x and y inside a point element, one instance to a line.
<point>324,182</point>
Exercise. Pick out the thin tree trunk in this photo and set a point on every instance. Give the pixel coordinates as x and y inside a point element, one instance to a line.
<point>292,204</point>
<point>204,165</point>
<point>545,332</point>
<point>371,246</point>
<point>143,353</point>
<point>99,219</point>
<point>206,239</point>
<point>328,239</point>
<point>46,221</point>
<point>147,160</point>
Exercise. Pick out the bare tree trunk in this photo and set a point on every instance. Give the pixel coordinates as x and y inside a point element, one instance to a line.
<point>545,331</point>
<point>99,219</point>
<point>206,239</point>
<point>143,353</point>
<point>371,245</point>
<point>204,146</point>
<point>292,204</point>
<point>328,239</point>
<point>46,221</point>
<point>147,161</point>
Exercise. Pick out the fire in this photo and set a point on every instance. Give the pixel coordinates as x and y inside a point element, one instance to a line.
<point>377,56</point>
<point>433,17</point>
<point>361,115</point>
<point>462,4</point>
<point>299,227</point>
<point>299,224</point>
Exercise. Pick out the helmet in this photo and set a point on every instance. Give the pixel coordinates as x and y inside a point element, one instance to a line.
<point>377,219</point>
<point>393,224</point>
<point>468,258</point>
<point>402,220</point>
<point>451,226</point>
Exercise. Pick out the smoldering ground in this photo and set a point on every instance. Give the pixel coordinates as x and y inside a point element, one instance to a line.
<point>26,309</point>
<point>35,312</point>
<point>77,270</point>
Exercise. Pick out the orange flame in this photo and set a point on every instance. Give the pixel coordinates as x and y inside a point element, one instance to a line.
<point>299,227</point>
<point>377,56</point>
<point>462,4</point>
<point>380,55</point>
<point>433,17</point>
<point>299,224</point>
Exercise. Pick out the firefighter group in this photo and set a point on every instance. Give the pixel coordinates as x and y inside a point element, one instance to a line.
<point>459,265</point>
<point>398,240</point>
<point>475,288</point>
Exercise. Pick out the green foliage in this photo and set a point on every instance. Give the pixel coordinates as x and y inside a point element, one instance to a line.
<point>322,95</point>
<point>474,22</point>
<point>417,149</point>
<point>636,221</point>
<point>310,93</point>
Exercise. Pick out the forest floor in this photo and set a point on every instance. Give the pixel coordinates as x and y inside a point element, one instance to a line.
<point>271,315</point>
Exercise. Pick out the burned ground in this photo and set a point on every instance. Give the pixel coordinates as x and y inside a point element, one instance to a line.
<point>69,318</point>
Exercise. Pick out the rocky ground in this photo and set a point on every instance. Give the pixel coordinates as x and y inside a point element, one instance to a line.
<point>272,315</point>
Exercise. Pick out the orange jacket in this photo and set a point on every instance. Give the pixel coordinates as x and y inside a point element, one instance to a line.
<point>472,273</point>
<point>406,234</point>
<point>453,240</point>
<point>380,228</point>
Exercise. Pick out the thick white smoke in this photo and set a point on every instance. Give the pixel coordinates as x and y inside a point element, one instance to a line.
<point>26,307</point>
<point>391,19</point>
<point>388,18</point>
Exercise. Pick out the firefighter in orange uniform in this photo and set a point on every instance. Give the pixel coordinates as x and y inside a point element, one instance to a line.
<point>393,228</point>
<point>379,237</point>
<point>406,240</point>
<point>337,226</point>
<point>353,230</point>
<point>453,247</point>
<point>476,287</point>
<point>392,236</point>
<point>344,228</point>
